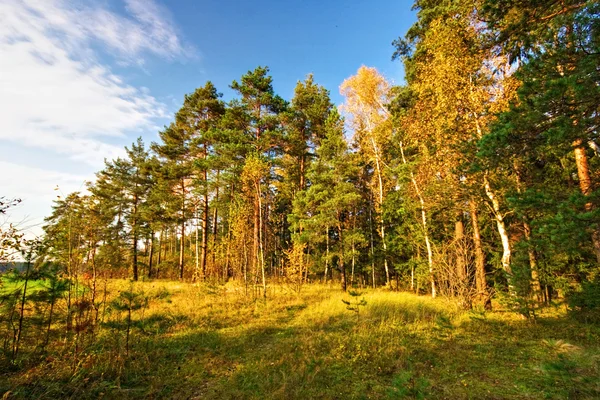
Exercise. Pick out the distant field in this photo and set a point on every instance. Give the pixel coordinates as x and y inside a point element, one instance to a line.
<point>214,342</point>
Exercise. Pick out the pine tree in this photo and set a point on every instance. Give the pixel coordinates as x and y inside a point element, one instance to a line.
<point>123,186</point>
<point>326,206</point>
<point>258,120</point>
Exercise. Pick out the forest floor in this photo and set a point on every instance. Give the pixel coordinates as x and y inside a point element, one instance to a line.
<point>216,342</point>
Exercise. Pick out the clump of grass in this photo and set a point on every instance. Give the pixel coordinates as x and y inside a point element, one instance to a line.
<point>406,385</point>
<point>406,308</point>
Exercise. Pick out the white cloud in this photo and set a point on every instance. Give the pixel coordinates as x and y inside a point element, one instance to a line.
<point>59,93</point>
<point>159,33</point>
<point>56,94</point>
<point>36,188</point>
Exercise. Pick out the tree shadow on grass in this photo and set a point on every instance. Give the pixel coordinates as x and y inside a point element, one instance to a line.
<point>387,353</point>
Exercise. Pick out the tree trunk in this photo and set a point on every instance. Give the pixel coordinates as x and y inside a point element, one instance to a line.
<point>302,171</point>
<point>160,246</point>
<point>256,239</point>
<point>533,264</point>
<point>134,239</point>
<point>260,240</point>
<point>502,231</point>
<point>196,252</point>
<point>381,223</point>
<point>205,212</point>
<point>182,244</point>
<point>380,187</point>
<point>424,222</point>
<point>17,337</point>
<point>326,253</point>
<point>215,224</point>
<point>353,264</point>
<point>371,241</point>
<point>586,186</point>
<point>227,254</point>
<point>151,255</point>
<point>182,251</point>
<point>461,262</point>
<point>341,258</point>
<point>480,281</point>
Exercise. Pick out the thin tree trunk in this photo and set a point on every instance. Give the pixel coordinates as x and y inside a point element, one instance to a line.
<point>227,253</point>
<point>245,264</point>
<point>160,246</point>
<point>49,326</point>
<point>353,248</point>
<point>533,264</point>
<point>17,339</point>
<point>380,187</point>
<point>461,262</point>
<point>94,284</point>
<point>341,258</point>
<point>371,234</point>
<point>135,239</point>
<point>381,223</point>
<point>205,213</point>
<point>424,222</point>
<point>182,244</point>
<point>353,263</point>
<point>302,171</point>
<point>256,239</point>
<point>262,254</point>
<point>326,253</point>
<point>215,220</point>
<point>480,281</point>
<point>500,224</point>
<point>196,253</point>
<point>502,231</point>
<point>151,255</point>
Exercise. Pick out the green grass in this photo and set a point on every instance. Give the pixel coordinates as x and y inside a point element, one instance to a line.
<point>8,286</point>
<point>216,343</point>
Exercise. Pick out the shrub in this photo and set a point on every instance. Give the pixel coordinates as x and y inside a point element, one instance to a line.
<point>584,304</point>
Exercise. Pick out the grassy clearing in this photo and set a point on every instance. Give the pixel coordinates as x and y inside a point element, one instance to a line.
<point>213,342</point>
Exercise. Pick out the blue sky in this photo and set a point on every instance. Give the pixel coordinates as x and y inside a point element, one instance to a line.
<point>81,79</point>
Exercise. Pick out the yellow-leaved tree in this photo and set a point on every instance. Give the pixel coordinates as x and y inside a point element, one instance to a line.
<point>367,95</point>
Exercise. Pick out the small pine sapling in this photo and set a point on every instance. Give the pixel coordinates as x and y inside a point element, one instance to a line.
<point>354,304</point>
<point>129,301</point>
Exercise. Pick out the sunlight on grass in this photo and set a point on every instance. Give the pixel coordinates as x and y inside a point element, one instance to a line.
<point>206,341</point>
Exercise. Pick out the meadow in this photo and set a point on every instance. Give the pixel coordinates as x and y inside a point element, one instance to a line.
<point>221,342</point>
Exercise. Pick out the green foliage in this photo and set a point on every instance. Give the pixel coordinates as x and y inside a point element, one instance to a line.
<point>129,301</point>
<point>10,236</point>
<point>296,266</point>
<point>356,304</point>
<point>584,303</point>
<point>408,386</point>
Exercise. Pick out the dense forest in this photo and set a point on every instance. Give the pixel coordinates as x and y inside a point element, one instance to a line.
<point>477,180</point>
<point>476,176</point>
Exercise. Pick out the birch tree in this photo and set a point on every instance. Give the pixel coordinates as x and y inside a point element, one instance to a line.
<point>367,96</point>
